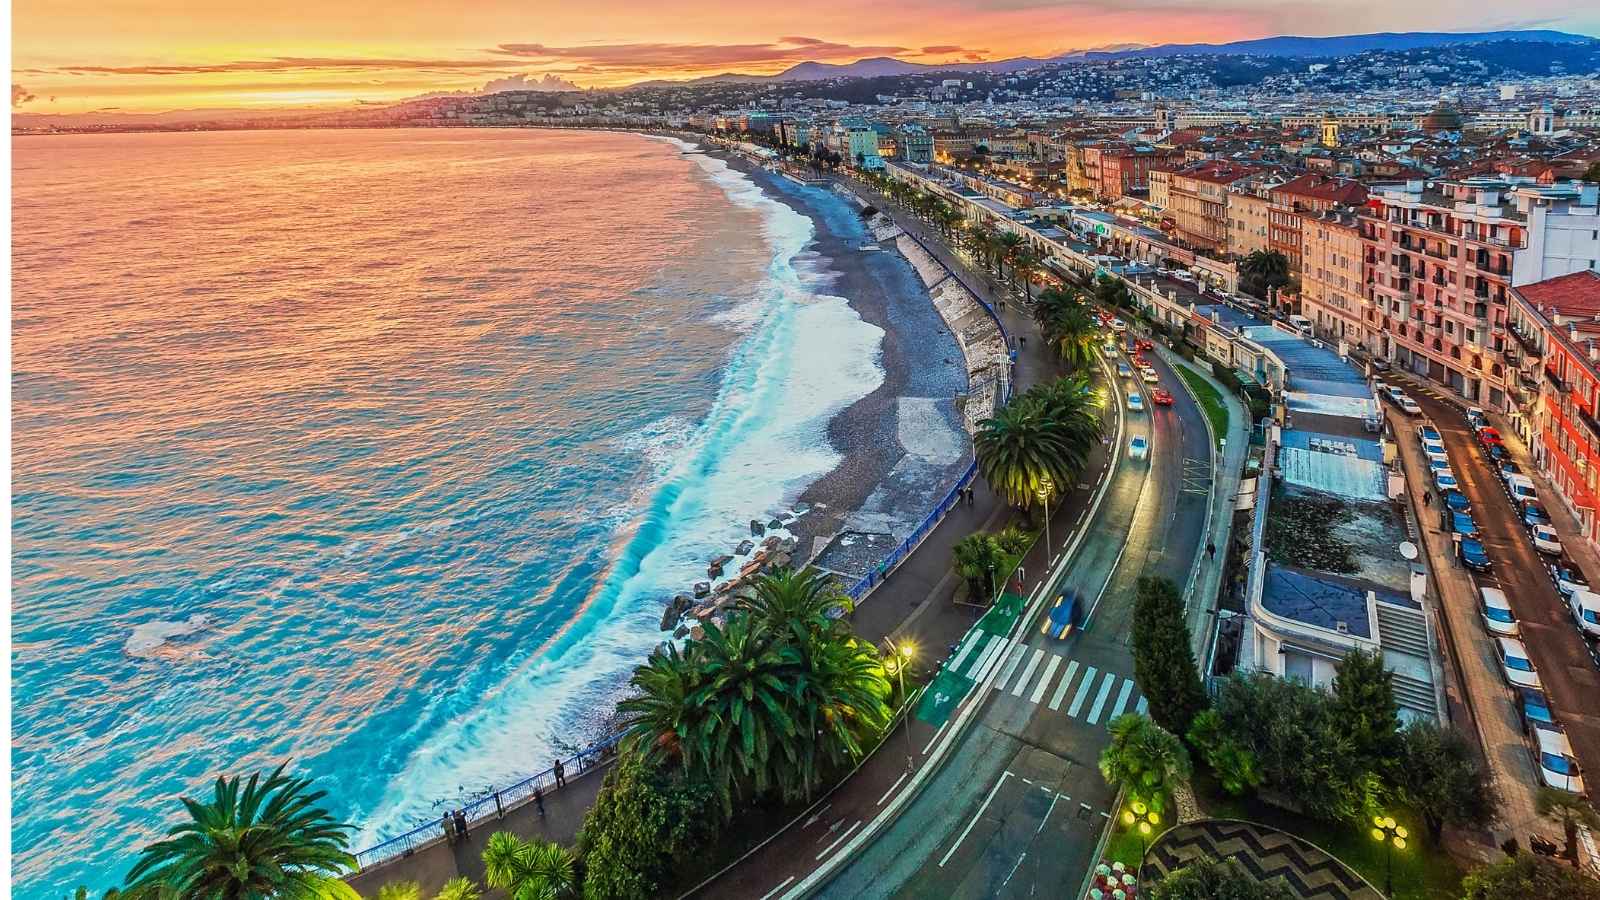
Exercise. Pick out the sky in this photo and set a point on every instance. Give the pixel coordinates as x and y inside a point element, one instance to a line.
<point>75,56</point>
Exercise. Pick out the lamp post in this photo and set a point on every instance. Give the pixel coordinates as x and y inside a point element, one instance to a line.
<point>902,657</point>
<point>992,589</point>
<point>1393,837</point>
<point>1141,818</point>
<point>1046,489</point>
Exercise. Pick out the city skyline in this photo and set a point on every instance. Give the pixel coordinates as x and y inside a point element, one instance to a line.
<point>156,55</point>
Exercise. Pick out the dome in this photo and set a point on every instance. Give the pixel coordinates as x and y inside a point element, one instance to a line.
<point>1443,117</point>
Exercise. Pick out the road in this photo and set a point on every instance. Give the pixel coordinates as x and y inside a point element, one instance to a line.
<point>1570,678</point>
<point>1018,809</point>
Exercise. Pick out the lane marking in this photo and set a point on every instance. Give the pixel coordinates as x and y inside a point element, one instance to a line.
<point>1083,691</point>
<point>1027,673</point>
<point>840,839</point>
<point>1066,681</point>
<point>1044,680</point>
<point>1100,699</point>
<point>892,787</point>
<point>781,885</point>
<point>991,652</point>
<point>1122,700</point>
<point>975,817</point>
<point>973,639</point>
<point>1143,708</point>
<point>935,737</point>
<point>1011,666</point>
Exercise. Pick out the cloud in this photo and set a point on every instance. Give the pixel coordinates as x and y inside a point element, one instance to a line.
<point>21,95</point>
<point>295,64</point>
<point>641,57</point>
<point>942,50</point>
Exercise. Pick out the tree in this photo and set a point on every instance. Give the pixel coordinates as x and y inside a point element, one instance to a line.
<point>1014,540</point>
<point>1570,811</point>
<point>1437,773</point>
<point>1234,764</point>
<point>1112,291</point>
<point>663,720</point>
<point>1068,325</point>
<point>269,839</point>
<point>1363,699</point>
<point>644,826</point>
<point>977,558</point>
<point>1217,879</point>
<point>1006,245</point>
<point>1261,270</point>
<point>1019,447</point>
<point>755,739</point>
<point>400,890</point>
<point>1526,875</point>
<point>459,888</point>
<point>802,601</point>
<point>1143,757</point>
<point>1163,663</point>
<point>528,870</point>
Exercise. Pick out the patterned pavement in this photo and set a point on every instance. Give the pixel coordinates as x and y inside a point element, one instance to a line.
<point>1265,852</point>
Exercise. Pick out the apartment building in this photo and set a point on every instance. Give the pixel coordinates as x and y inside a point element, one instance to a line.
<point>1198,205</point>
<point>1126,170</point>
<point>1332,286</point>
<point>1159,182</point>
<point>1307,195</point>
<point>1248,208</point>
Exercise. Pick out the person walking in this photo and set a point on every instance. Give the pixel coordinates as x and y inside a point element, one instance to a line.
<point>1427,498</point>
<point>1211,550</point>
<point>449,828</point>
<point>538,800</point>
<point>561,774</point>
<point>461,824</point>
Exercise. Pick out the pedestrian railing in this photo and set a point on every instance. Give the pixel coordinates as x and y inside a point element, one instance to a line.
<point>492,805</point>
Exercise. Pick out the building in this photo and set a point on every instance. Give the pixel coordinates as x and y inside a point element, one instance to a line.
<point>1125,171</point>
<point>1310,195</point>
<point>1332,285</point>
<point>1199,202</point>
<point>1556,326</point>
<point>1160,184</point>
<point>1248,209</point>
<point>1442,257</point>
<point>915,145</point>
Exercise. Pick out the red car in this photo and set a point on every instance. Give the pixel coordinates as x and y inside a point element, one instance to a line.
<point>1161,397</point>
<point>1144,344</point>
<point>1489,437</point>
<point>1139,361</point>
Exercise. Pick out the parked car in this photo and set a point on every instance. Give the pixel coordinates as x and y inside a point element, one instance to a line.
<point>1521,489</point>
<point>1446,481</point>
<point>1534,514</point>
<point>1139,448</point>
<point>1489,437</point>
<point>1476,418</point>
<point>1585,607</point>
<point>1496,454</point>
<point>1456,501</point>
<point>1462,524</point>
<point>1433,447</point>
<point>1161,397</point>
<point>1473,554</point>
<point>1497,615</point>
<point>1545,540</point>
<point>1507,468</point>
<point>1135,402</point>
<point>1552,753</point>
<point>1426,433</point>
<point>1437,464</point>
<point>1533,707</point>
<point>1567,577</point>
<point>1515,665</point>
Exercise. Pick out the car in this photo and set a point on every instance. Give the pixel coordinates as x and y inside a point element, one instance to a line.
<point>1515,665</point>
<point>1585,607</point>
<point>1456,501</point>
<point>1409,406</point>
<point>1135,402</point>
<point>1462,524</point>
<point>1110,351</point>
<point>1161,397</point>
<point>1497,615</point>
<point>1436,454</point>
<point>1124,370</point>
<point>1138,360</point>
<point>1489,437</point>
<point>1552,752</point>
<point>1507,468</point>
<point>1476,418</point>
<point>1432,447</point>
<point>1426,433</point>
<point>1446,481</point>
<point>1119,326</point>
<point>1545,540</point>
<point>1437,464</point>
<point>1567,577</point>
<point>1534,514</point>
<point>1533,707</point>
<point>1521,489</point>
<point>1139,448</point>
<point>1473,554</point>
<point>1496,454</point>
<point>1146,344</point>
<point>1149,375</point>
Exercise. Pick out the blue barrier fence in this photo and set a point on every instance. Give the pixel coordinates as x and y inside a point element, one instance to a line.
<point>492,805</point>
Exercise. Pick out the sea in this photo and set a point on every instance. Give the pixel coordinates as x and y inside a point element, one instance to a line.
<point>377,452</point>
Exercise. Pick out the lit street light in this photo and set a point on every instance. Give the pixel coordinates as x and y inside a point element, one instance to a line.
<point>899,659</point>
<point>1393,837</point>
<point>1046,489</point>
<point>1142,819</point>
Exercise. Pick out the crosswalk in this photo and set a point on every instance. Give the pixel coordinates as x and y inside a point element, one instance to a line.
<point>1039,677</point>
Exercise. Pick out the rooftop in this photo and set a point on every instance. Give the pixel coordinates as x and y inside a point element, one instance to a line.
<point>1576,294</point>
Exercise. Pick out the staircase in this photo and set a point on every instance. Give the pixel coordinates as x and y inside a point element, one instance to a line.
<point>1405,630</point>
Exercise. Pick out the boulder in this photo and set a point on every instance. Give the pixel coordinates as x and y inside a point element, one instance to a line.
<point>775,523</point>
<point>715,568</point>
<point>701,589</point>
<point>744,547</point>
<point>756,528</point>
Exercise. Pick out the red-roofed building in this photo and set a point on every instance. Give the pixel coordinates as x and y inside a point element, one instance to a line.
<point>1198,201</point>
<point>1555,385</point>
<point>1308,196</point>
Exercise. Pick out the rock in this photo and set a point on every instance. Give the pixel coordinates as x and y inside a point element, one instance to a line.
<point>681,633</point>
<point>744,547</point>
<point>775,524</point>
<point>772,541</point>
<point>701,589</point>
<point>715,569</point>
<point>756,528</point>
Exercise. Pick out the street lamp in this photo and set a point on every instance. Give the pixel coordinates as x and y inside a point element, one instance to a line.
<point>899,659</point>
<point>993,591</point>
<point>1141,818</point>
<point>1393,837</point>
<point>1046,489</point>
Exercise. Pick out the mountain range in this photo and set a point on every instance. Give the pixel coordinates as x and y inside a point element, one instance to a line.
<point>1283,45</point>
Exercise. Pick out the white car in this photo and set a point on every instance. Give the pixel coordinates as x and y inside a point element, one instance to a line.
<point>1515,665</point>
<point>1437,464</point>
<point>1476,418</point>
<point>1545,539</point>
<point>1135,403</point>
<point>1124,370</point>
<point>1558,768</point>
<point>1148,373</point>
<point>1497,615</point>
<point>1432,447</point>
<point>1110,350</point>
<point>1520,487</point>
<point>1585,606</point>
<point>1119,326</point>
<point>1445,480</point>
<point>1139,448</point>
<point>1408,405</point>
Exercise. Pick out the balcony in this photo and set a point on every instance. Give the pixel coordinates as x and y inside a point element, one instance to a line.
<point>1588,421</point>
<point>1525,340</point>
<point>1555,380</point>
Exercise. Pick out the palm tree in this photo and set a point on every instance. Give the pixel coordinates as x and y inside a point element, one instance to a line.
<point>459,888</point>
<point>1014,540</point>
<point>1067,324</point>
<point>801,602</point>
<point>1073,410</point>
<point>1263,269</point>
<point>269,839</point>
<point>400,890</point>
<point>984,243</point>
<point>528,870</point>
<point>1018,448</point>
<point>1023,264</point>
<point>1145,758</point>
<point>1570,810</point>
<point>841,697</point>
<point>662,721</point>
<point>753,736</point>
<point>1006,246</point>
<point>976,558</point>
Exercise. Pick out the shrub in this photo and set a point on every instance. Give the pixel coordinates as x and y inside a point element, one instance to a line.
<point>1163,663</point>
<point>643,826</point>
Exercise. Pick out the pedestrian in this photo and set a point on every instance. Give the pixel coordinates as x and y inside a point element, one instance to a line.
<point>449,828</point>
<point>561,774</point>
<point>1211,549</point>
<point>461,824</point>
<point>1427,498</point>
<point>972,497</point>
<point>1023,340</point>
<point>538,800</point>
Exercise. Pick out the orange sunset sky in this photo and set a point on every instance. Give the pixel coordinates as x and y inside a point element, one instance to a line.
<point>74,56</point>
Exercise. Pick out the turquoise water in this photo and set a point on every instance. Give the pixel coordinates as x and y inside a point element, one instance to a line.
<point>376,451</point>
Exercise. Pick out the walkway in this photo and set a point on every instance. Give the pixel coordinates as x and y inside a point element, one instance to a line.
<point>1266,853</point>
